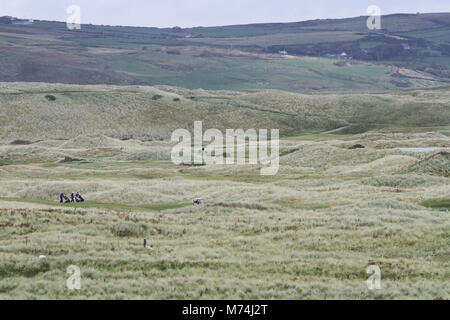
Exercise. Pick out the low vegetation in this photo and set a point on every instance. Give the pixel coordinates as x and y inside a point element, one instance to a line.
<point>308,232</point>
<point>437,203</point>
<point>152,113</point>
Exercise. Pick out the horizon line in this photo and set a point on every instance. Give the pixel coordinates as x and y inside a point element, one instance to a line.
<point>230,25</point>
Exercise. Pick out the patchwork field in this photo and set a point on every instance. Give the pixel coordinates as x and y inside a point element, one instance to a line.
<point>239,57</point>
<point>308,232</point>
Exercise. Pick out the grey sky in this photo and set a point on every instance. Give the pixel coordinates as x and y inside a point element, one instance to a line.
<point>188,13</point>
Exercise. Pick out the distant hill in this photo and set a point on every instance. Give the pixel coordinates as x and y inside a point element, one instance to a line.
<point>411,50</point>
<point>35,111</point>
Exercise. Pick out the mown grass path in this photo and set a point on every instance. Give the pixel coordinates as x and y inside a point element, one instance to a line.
<point>101,205</point>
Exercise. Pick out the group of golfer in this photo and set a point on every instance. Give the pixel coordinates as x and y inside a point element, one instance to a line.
<point>73,198</point>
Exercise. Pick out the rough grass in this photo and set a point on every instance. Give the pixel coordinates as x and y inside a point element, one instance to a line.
<point>316,137</point>
<point>29,116</point>
<point>437,203</point>
<point>307,233</point>
<point>128,229</point>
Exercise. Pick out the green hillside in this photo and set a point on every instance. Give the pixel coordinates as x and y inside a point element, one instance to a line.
<point>410,51</point>
<point>33,111</point>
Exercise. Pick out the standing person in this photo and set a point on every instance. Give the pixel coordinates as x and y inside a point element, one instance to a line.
<point>61,197</point>
<point>72,197</point>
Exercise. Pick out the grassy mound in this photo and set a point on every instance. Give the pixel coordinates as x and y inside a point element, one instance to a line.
<point>105,115</point>
<point>437,164</point>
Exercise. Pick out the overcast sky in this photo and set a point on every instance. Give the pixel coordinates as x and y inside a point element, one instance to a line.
<point>189,13</point>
